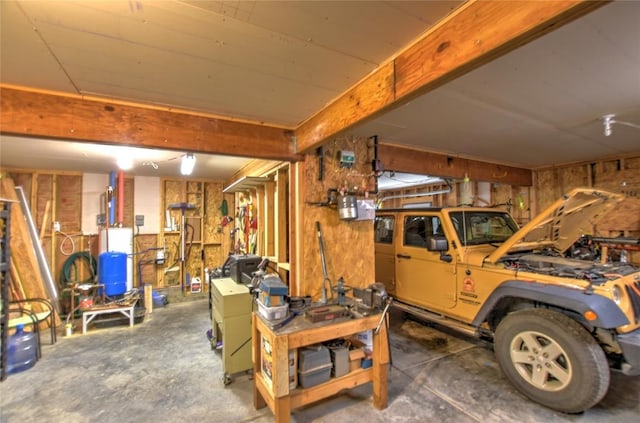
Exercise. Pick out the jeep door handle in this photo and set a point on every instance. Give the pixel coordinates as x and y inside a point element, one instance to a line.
<point>403,256</point>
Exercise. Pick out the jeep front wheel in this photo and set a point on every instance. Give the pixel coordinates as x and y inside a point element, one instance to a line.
<point>552,359</point>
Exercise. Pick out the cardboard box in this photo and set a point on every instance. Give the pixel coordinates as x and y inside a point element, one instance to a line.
<point>267,362</point>
<point>356,354</point>
<point>271,300</point>
<point>355,358</point>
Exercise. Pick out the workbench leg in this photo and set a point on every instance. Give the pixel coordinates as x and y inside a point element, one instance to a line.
<point>256,356</point>
<point>258,401</point>
<point>282,410</point>
<point>380,364</point>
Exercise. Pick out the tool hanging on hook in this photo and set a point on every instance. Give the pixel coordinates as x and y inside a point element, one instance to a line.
<point>324,268</point>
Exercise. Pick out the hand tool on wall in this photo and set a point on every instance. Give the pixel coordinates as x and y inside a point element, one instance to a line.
<point>326,279</point>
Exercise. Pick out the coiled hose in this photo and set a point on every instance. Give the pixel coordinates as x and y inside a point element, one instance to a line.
<point>70,263</point>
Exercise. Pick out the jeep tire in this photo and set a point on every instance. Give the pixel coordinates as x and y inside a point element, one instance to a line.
<point>552,359</point>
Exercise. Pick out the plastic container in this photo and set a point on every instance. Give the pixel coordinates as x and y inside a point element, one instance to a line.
<point>159,299</point>
<point>314,365</point>
<point>273,313</point>
<point>22,350</point>
<point>112,273</point>
<point>340,360</point>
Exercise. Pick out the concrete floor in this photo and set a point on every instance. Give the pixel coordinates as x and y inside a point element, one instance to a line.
<point>163,370</point>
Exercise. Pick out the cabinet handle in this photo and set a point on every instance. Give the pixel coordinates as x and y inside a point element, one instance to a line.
<point>403,256</point>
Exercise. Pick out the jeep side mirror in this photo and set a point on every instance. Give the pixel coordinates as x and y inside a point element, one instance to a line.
<point>439,243</point>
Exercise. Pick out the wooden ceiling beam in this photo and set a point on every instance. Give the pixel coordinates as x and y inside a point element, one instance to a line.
<point>407,160</point>
<point>476,33</point>
<point>74,118</point>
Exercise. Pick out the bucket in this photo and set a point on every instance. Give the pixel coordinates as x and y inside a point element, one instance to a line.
<point>22,350</point>
<point>112,273</point>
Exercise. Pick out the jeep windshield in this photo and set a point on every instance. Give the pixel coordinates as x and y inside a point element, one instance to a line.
<point>483,227</point>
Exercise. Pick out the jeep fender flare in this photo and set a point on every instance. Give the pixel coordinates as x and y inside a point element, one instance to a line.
<point>608,314</point>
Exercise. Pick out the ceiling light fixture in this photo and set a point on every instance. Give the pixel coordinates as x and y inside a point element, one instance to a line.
<point>608,121</point>
<point>188,163</point>
<point>124,163</point>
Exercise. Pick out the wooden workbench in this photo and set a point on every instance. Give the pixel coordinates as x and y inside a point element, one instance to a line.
<point>276,392</point>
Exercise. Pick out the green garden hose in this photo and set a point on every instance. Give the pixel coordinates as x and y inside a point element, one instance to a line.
<point>70,263</point>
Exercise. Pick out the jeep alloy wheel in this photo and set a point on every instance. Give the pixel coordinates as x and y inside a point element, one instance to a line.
<point>552,359</point>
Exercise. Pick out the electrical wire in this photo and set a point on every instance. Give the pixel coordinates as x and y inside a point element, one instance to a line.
<point>73,244</point>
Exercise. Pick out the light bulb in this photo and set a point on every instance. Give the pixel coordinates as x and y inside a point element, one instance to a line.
<point>188,163</point>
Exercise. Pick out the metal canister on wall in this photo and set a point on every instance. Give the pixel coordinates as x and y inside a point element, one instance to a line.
<point>347,207</point>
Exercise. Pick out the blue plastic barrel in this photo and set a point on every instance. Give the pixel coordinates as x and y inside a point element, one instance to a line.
<point>22,350</point>
<point>112,273</point>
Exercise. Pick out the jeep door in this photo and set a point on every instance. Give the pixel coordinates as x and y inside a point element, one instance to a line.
<point>425,278</point>
<point>384,227</point>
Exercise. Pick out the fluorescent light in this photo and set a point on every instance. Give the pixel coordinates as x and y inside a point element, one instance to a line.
<point>188,163</point>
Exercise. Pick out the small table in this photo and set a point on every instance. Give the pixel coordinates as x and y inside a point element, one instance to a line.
<point>89,315</point>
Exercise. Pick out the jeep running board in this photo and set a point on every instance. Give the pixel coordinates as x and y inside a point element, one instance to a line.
<point>436,318</point>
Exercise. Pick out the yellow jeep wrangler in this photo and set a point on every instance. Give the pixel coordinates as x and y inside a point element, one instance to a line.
<point>558,324</point>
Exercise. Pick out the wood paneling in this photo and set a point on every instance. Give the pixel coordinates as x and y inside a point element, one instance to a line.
<point>408,160</point>
<point>364,100</point>
<point>348,245</point>
<point>56,116</point>
<point>618,175</point>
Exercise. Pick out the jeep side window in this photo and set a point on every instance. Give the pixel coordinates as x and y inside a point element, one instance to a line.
<point>475,228</point>
<point>414,231</point>
<point>418,228</point>
<point>436,227</point>
<point>383,229</point>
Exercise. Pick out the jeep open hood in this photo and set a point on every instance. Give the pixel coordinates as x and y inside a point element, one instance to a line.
<point>560,225</point>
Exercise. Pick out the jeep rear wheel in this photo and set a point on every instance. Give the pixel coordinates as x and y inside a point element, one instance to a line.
<point>552,359</point>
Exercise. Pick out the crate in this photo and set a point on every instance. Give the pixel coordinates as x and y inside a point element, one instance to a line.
<point>273,313</point>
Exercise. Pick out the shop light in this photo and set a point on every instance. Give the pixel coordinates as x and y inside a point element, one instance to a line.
<point>609,120</point>
<point>188,163</point>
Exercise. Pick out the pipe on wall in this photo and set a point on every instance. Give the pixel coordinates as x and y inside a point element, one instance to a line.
<point>121,197</point>
<point>112,201</point>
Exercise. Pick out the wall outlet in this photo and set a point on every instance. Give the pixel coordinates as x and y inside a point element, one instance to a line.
<point>56,226</point>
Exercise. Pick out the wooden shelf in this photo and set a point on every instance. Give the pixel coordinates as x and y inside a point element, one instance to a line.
<point>277,394</point>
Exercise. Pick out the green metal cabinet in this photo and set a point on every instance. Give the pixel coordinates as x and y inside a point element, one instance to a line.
<point>232,305</point>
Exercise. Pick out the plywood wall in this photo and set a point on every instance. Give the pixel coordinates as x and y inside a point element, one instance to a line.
<point>348,245</point>
<point>58,197</point>
<point>617,175</point>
